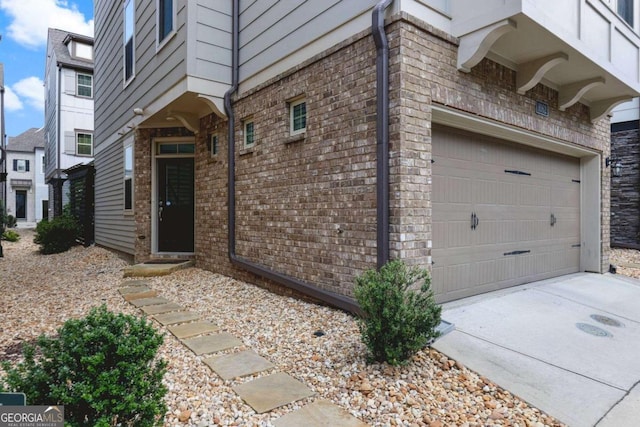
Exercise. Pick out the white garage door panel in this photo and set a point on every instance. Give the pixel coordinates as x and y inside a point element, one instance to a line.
<point>513,241</point>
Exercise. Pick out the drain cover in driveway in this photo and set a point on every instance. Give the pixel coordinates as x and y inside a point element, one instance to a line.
<point>593,330</point>
<point>606,320</point>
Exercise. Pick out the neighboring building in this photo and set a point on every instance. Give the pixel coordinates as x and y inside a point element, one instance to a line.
<point>497,137</point>
<point>3,163</point>
<point>27,193</point>
<point>68,128</point>
<point>625,179</point>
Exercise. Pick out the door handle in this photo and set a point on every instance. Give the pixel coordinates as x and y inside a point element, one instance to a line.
<point>160,209</point>
<point>474,221</point>
<point>553,220</point>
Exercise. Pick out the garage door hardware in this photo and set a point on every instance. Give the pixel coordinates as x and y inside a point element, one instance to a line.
<point>516,253</point>
<point>607,320</point>
<point>515,172</point>
<point>576,180</point>
<point>474,221</point>
<point>576,246</point>
<point>553,220</point>
<point>593,330</point>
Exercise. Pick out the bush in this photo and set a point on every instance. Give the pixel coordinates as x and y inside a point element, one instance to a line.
<point>10,236</point>
<point>102,368</point>
<point>397,321</point>
<point>57,235</point>
<point>11,221</point>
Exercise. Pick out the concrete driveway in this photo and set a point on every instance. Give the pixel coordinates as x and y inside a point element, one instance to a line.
<point>569,346</point>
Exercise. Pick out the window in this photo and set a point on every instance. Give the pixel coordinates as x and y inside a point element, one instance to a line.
<point>85,85</point>
<point>165,19</point>
<point>298,116</point>
<point>44,163</point>
<point>129,25</point>
<point>249,137</point>
<point>625,10</point>
<point>84,144</point>
<point>20,165</point>
<point>128,177</point>
<point>213,144</point>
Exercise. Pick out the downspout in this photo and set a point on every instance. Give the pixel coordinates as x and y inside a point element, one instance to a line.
<point>57,188</point>
<point>331,298</point>
<point>382,130</point>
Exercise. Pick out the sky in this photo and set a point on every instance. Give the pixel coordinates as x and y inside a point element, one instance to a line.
<point>23,26</point>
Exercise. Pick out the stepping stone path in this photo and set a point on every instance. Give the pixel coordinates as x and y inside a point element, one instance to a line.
<point>204,338</point>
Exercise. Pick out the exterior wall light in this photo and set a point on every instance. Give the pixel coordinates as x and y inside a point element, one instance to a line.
<point>616,166</point>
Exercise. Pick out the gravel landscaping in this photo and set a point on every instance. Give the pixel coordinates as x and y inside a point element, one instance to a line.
<point>40,292</point>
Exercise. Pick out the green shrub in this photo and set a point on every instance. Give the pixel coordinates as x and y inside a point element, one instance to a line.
<point>102,368</point>
<point>396,321</point>
<point>10,236</point>
<point>57,235</point>
<point>11,221</point>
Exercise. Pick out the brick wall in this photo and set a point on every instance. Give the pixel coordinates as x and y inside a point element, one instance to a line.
<point>625,190</point>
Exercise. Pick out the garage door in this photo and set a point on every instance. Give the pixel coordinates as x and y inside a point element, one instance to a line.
<point>503,214</point>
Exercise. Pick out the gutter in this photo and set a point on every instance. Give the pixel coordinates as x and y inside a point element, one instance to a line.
<point>331,298</point>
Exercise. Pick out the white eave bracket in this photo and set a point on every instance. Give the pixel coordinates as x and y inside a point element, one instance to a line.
<point>571,93</point>
<point>215,104</point>
<point>474,46</point>
<point>601,108</point>
<point>531,73</point>
<point>188,120</point>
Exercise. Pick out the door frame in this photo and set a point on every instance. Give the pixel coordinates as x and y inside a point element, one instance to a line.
<point>155,142</point>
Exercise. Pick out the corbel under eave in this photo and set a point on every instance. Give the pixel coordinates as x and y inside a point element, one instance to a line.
<point>215,104</point>
<point>571,93</point>
<point>188,120</point>
<point>474,46</point>
<point>531,73</point>
<point>601,108</point>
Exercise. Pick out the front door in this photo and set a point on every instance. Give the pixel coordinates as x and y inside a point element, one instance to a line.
<point>175,204</point>
<point>21,204</point>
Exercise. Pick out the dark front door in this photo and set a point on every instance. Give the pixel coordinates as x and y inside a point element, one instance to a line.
<point>21,204</point>
<point>175,205</point>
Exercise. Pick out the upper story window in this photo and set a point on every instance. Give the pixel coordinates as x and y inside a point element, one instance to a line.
<point>165,19</point>
<point>297,116</point>
<point>84,144</point>
<point>20,165</point>
<point>84,85</point>
<point>625,10</point>
<point>82,50</point>
<point>129,25</point>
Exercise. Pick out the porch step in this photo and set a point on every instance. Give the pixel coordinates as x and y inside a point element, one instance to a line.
<point>156,268</point>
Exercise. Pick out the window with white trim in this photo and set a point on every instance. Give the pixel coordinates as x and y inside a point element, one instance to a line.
<point>298,116</point>
<point>129,39</point>
<point>249,132</point>
<point>84,144</point>
<point>20,165</point>
<point>128,177</point>
<point>166,19</point>
<point>84,85</point>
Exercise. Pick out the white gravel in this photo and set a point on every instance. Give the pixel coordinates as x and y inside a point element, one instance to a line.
<point>40,292</point>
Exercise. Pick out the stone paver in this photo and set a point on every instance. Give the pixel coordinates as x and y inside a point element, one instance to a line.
<point>126,290</point>
<point>273,391</point>
<point>212,343</point>
<point>155,269</point>
<point>188,330</point>
<point>142,302</point>
<point>140,295</point>
<point>175,317</point>
<point>161,308</point>
<point>234,365</point>
<point>131,283</point>
<point>321,413</point>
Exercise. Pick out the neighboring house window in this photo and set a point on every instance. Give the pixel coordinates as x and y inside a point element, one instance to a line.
<point>249,136</point>
<point>20,165</point>
<point>84,144</point>
<point>298,116</point>
<point>85,85</point>
<point>128,177</point>
<point>129,25</point>
<point>44,164</point>
<point>625,10</point>
<point>165,19</point>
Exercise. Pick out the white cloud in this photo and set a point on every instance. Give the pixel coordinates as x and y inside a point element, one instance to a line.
<point>30,90</point>
<point>11,100</point>
<point>30,20</point>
